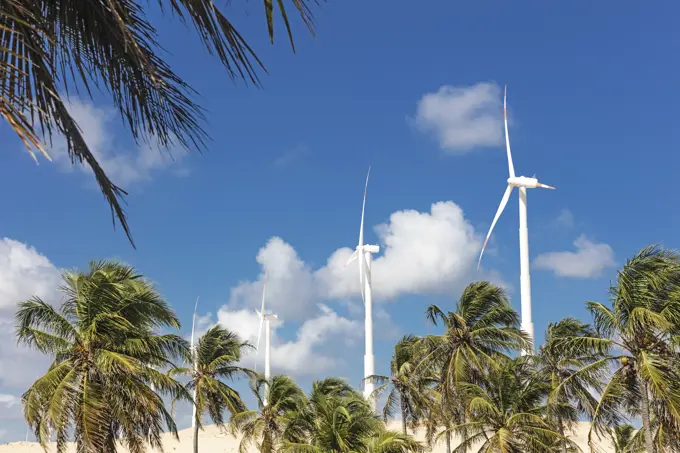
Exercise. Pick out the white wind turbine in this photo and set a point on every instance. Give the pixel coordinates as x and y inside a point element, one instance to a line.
<point>265,320</point>
<point>193,353</point>
<point>523,183</point>
<point>363,254</point>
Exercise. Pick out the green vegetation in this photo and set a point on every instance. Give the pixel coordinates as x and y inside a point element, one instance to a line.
<point>468,385</point>
<point>48,48</point>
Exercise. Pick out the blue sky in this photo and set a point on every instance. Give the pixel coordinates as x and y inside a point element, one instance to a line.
<point>592,90</point>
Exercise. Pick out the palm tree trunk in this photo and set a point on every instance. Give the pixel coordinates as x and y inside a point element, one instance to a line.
<point>644,409</point>
<point>266,442</point>
<point>448,438</point>
<point>196,434</point>
<point>403,414</point>
<point>564,441</point>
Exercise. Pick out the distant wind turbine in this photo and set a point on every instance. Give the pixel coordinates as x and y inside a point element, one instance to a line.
<point>265,320</point>
<point>523,183</point>
<point>363,254</point>
<point>193,353</point>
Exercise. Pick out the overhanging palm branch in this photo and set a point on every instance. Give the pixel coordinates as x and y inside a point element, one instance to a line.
<point>49,48</point>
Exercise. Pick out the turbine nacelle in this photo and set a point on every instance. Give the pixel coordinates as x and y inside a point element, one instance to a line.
<point>371,248</point>
<point>266,316</point>
<point>529,183</point>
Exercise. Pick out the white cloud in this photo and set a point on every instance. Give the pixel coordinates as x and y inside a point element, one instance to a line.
<point>462,118</point>
<point>24,273</point>
<point>8,400</point>
<point>301,356</point>
<point>124,168</point>
<point>421,253</point>
<point>565,219</point>
<point>588,261</point>
<point>290,282</point>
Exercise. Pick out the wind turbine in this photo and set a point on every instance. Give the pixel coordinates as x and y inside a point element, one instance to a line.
<point>265,320</point>
<point>523,183</point>
<point>363,254</point>
<point>193,353</point>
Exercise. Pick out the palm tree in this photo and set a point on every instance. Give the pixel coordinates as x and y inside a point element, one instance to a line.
<point>50,47</point>
<point>638,336</point>
<point>505,413</point>
<point>478,335</point>
<point>443,411</point>
<point>622,437</point>
<point>344,424</point>
<point>407,389</point>
<point>266,425</point>
<point>569,403</point>
<point>214,360</point>
<point>104,353</point>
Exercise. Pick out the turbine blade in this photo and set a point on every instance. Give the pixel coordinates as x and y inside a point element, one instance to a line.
<point>264,291</point>
<point>363,207</point>
<point>545,186</point>
<point>367,270</point>
<point>361,273</point>
<point>193,323</point>
<point>511,168</point>
<point>351,258</point>
<point>261,312</point>
<point>504,201</point>
<point>259,334</point>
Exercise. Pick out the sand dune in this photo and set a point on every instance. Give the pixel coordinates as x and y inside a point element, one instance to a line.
<point>212,440</point>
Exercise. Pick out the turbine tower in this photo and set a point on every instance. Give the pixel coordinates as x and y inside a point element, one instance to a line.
<point>193,353</point>
<point>265,320</point>
<point>363,254</point>
<point>522,183</point>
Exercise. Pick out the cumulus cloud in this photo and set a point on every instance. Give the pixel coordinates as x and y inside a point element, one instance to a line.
<point>124,167</point>
<point>24,273</point>
<point>8,400</point>
<point>588,261</point>
<point>462,118</point>
<point>300,356</point>
<point>421,253</point>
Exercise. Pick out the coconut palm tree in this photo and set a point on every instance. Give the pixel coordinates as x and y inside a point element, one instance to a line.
<point>50,47</point>
<point>212,362</point>
<point>569,403</point>
<point>265,427</point>
<point>443,410</point>
<point>478,335</point>
<point>105,355</point>
<point>407,390</point>
<point>665,437</point>
<point>330,387</point>
<point>622,438</point>
<point>505,413</point>
<point>345,424</point>
<point>638,336</point>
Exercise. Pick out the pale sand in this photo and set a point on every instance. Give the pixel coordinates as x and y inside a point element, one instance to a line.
<point>211,440</point>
